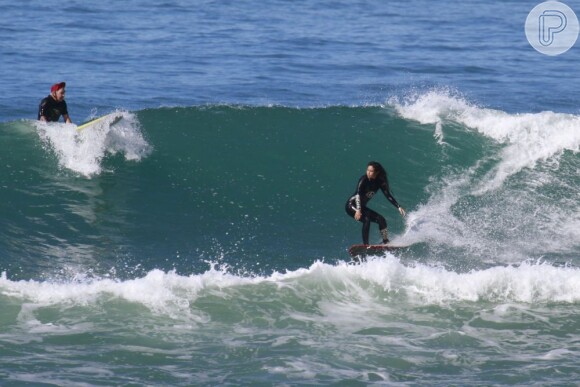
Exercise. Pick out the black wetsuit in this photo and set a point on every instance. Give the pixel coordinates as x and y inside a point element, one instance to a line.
<point>52,109</point>
<point>365,190</point>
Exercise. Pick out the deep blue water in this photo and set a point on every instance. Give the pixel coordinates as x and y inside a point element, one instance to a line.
<point>275,52</point>
<point>202,239</point>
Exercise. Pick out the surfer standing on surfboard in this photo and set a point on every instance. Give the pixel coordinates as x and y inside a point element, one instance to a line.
<point>54,106</point>
<point>356,206</point>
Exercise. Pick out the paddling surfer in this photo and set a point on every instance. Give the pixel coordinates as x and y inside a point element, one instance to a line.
<point>356,206</point>
<point>54,105</point>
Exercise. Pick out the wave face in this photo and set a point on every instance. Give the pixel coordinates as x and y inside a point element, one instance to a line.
<point>216,235</point>
<point>170,187</point>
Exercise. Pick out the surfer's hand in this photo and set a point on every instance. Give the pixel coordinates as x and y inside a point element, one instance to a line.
<point>357,215</point>
<point>402,211</point>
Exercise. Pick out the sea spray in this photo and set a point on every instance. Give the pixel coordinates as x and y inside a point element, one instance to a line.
<point>83,151</point>
<point>530,138</point>
<point>170,293</point>
<point>513,200</point>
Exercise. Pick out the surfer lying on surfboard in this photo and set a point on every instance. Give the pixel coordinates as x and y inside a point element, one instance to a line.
<point>356,206</point>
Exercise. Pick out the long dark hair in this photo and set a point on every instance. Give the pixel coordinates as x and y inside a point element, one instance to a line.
<point>382,173</point>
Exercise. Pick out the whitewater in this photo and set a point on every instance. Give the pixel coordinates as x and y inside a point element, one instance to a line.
<point>202,239</point>
<point>224,273</point>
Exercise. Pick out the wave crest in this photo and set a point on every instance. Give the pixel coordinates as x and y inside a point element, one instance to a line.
<point>83,151</point>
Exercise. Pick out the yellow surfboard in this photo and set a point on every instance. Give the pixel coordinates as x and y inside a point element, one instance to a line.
<point>114,117</point>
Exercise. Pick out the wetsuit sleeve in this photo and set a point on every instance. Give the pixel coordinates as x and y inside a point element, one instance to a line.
<point>41,109</point>
<point>388,195</point>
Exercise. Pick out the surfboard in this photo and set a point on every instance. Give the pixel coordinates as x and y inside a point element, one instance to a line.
<point>114,117</point>
<point>365,250</point>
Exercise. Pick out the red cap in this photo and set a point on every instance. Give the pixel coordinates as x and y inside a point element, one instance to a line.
<point>57,87</point>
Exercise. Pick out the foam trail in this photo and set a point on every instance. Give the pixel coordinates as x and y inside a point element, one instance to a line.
<point>83,151</point>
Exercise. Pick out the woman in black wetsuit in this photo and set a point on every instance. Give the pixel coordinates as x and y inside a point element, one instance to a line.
<point>356,205</point>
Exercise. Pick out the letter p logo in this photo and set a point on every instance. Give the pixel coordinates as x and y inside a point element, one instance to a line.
<point>552,28</point>
<point>551,22</point>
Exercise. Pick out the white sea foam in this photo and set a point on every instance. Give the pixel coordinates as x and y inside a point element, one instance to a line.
<point>481,208</point>
<point>529,137</point>
<point>83,151</point>
<point>175,295</point>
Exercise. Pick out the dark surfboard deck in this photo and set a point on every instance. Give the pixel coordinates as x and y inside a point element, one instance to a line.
<point>365,250</point>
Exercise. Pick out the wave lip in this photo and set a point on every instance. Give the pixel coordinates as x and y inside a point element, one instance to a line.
<point>529,137</point>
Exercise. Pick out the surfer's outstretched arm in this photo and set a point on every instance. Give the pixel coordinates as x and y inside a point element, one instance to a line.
<point>391,198</point>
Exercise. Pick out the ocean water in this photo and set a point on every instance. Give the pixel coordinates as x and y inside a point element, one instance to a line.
<point>202,240</point>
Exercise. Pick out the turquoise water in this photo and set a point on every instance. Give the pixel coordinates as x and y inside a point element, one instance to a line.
<point>202,240</point>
